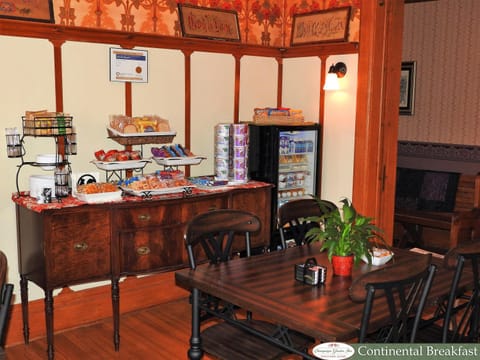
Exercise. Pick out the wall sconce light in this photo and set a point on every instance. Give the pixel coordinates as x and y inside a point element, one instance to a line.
<point>335,72</point>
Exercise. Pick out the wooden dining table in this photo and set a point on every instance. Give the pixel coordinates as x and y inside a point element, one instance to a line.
<point>265,285</point>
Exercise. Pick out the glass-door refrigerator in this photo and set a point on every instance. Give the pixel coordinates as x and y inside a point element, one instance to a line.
<point>288,157</point>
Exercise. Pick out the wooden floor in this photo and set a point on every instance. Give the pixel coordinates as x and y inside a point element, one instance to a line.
<point>160,332</point>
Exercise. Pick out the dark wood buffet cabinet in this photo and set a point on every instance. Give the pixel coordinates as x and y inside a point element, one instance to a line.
<point>69,243</point>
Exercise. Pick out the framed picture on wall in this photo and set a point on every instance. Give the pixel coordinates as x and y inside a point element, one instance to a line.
<point>208,23</point>
<point>322,26</point>
<point>407,88</point>
<point>39,10</point>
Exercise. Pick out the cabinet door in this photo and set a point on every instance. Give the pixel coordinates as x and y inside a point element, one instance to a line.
<point>151,236</point>
<point>77,246</point>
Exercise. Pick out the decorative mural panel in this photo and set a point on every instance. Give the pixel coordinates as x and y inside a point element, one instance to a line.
<point>262,22</point>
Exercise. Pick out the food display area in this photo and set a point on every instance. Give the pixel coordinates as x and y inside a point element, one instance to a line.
<point>125,226</point>
<point>73,242</point>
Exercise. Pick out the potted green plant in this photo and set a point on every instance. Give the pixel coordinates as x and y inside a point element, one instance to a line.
<point>345,234</point>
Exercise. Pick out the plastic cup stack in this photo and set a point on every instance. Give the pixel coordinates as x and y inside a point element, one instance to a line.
<point>222,151</point>
<point>231,152</point>
<point>240,153</point>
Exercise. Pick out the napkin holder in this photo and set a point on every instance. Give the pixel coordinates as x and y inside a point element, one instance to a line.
<point>310,272</point>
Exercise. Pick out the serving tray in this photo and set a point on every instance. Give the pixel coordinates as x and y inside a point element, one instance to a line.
<point>174,161</point>
<point>121,165</point>
<point>163,191</point>
<point>99,197</point>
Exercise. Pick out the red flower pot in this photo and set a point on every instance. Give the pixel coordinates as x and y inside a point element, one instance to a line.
<point>342,265</point>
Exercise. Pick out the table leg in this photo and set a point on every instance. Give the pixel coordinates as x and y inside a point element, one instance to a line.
<point>24,297</point>
<point>49,321</point>
<point>116,313</point>
<point>195,352</point>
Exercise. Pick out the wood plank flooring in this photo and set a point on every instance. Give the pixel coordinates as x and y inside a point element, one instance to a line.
<point>160,332</point>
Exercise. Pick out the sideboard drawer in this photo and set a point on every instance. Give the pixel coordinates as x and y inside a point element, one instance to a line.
<point>166,214</point>
<point>147,216</point>
<point>193,208</point>
<point>154,249</point>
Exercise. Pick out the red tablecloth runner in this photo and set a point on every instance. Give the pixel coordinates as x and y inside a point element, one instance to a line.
<point>24,199</point>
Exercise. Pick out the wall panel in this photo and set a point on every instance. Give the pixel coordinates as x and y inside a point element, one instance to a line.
<point>27,84</point>
<point>91,98</point>
<point>302,75</point>
<point>443,37</point>
<point>258,85</point>
<point>213,78</point>
<point>164,94</point>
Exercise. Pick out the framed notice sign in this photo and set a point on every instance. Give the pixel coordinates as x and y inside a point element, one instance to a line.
<point>321,26</point>
<point>128,65</point>
<point>208,23</point>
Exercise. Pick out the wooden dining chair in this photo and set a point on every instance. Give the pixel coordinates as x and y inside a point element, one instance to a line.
<point>5,299</point>
<point>293,222</point>
<point>215,231</point>
<point>458,314</point>
<point>212,237</point>
<point>399,291</point>
<point>465,227</point>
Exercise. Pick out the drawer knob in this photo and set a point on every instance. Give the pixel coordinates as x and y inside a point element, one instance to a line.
<point>80,246</point>
<point>143,250</point>
<point>144,217</point>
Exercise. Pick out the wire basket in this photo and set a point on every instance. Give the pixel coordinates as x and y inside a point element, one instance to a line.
<point>47,125</point>
<point>140,139</point>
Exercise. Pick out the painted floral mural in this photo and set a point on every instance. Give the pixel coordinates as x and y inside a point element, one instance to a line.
<point>261,22</point>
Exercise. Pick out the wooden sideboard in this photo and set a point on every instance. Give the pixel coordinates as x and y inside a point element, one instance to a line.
<point>78,243</point>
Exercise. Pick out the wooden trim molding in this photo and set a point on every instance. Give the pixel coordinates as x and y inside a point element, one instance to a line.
<point>131,40</point>
<point>376,125</point>
<point>236,102</point>
<point>128,98</point>
<point>57,58</point>
<point>188,105</point>
<point>321,120</point>
<point>279,81</point>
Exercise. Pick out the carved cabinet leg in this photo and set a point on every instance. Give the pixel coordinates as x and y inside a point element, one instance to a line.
<point>116,313</point>
<point>49,321</point>
<point>24,297</point>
